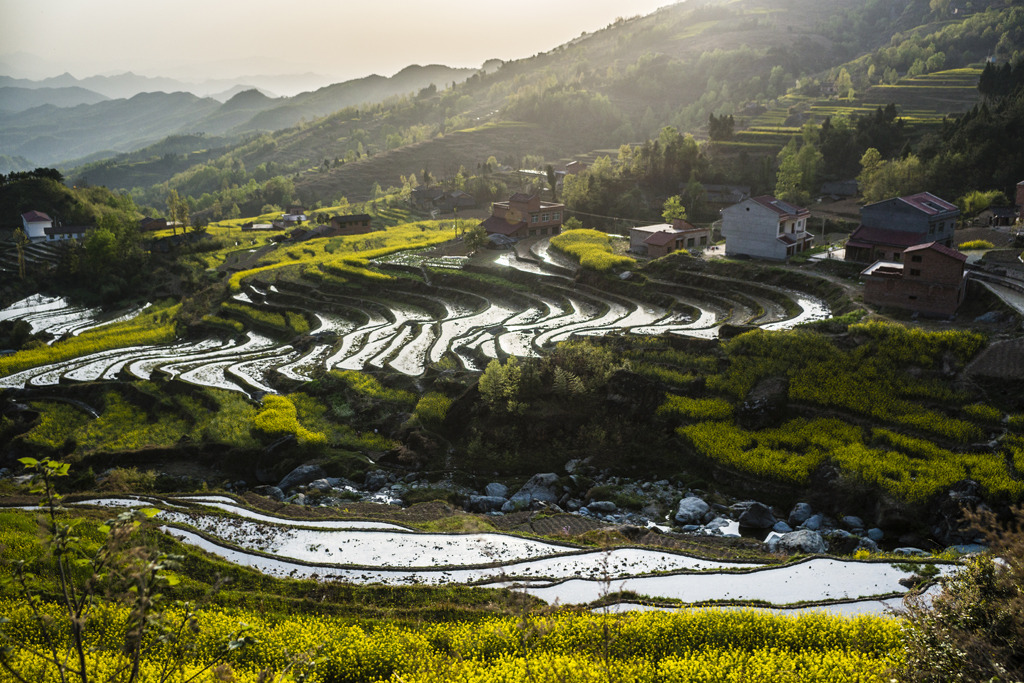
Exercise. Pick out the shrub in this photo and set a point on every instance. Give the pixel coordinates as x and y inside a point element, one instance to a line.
<point>974,629</point>
<point>975,244</point>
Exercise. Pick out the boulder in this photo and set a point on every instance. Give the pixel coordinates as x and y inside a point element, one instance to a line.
<point>802,541</point>
<point>605,507</point>
<point>321,485</point>
<point>781,527</point>
<point>917,552</point>
<point>303,474</point>
<point>851,522</point>
<point>799,514</point>
<point>484,503</point>
<point>496,490</point>
<point>876,534</point>
<point>842,542</point>
<point>691,510</point>
<point>814,522</point>
<point>541,487</point>
<point>375,480</point>
<point>271,492</point>
<point>757,516</point>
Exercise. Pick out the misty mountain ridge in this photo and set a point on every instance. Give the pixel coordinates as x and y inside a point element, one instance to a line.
<point>49,135</point>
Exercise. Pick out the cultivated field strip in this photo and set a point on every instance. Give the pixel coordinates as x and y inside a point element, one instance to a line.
<point>406,329</point>
<point>369,552</point>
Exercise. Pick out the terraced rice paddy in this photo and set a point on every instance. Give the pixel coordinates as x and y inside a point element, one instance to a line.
<point>406,331</point>
<point>369,552</point>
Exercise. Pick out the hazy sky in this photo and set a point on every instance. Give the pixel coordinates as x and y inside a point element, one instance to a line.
<point>340,39</point>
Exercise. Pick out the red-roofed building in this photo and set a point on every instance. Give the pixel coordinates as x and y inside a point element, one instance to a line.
<point>524,216</point>
<point>930,279</point>
<point>765,227</point>
<point>35,224</point>
<point>888,227</point>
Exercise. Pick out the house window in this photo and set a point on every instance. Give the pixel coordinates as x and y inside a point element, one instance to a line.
<point>931,229</point>
<point>533,218</point>
<point>703,240</point>
<point>914,272</point>
<point>556,216</point>
<point>544,217</point>
<point>916,258</point>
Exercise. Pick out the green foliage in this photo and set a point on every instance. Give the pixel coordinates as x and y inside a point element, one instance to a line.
<point>432,408</point>
<point>972,630</point>
<point>975,244</point>
<point>696,408</point>
<point>499,385</point>
<point>591,248</point>
<point>279,417</point>
<point>371,388</point>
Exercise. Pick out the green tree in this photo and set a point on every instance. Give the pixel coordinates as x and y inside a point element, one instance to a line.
<point>549,170</point>
<point>499,385</point>
<point>673,209</point>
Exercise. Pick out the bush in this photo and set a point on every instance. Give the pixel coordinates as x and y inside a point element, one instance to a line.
<point>975,244</point>
<point>974,630</point>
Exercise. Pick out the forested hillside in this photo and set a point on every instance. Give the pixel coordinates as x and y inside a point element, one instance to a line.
<point>766,68</point>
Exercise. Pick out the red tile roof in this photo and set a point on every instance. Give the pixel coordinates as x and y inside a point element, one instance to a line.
<point>941,248</point>
<point>35,217</point>
<point>660,239</point>
<point>893,238</point>
<point>500,226</point>
<point>780,207</point>
<point>928,203</point>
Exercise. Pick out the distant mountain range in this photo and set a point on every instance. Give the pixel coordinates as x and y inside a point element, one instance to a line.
<point>61,119</point>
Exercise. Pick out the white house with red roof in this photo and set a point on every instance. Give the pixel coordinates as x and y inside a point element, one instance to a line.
<point>887,228</point>
<point>766,227</point>
<point>36,224</point>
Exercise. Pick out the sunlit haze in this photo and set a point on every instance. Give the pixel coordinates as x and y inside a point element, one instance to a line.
<point>338,39</point>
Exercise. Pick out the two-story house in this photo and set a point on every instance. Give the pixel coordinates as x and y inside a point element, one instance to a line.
<point>765,227</point>
<point>887,228</point>
<point>930,279</point>
<point>524,216</point>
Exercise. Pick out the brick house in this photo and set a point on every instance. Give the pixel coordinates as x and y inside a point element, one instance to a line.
<point>930,279</point>
<point>353,224</point>
<point>663,239</point>
<point>887,228</point>
<point>524,216</point>
<point>765,227</point>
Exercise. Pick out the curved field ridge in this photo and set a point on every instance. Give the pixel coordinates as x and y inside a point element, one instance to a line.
<point>406,331</point>
<point>365,552</point>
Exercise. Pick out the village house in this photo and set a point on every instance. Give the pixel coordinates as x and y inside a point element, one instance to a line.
<point>443,201</point>
<point>150,224</point>
<point>663,239</point>
<point>930,279</point>
<point>1020,200</point>
<point>63,233</point>
<point>887,228</point>
<point>35,224</point>
<point>524,216</point>
<point>351,224</point>
<point>765,227</point>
